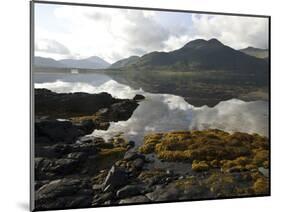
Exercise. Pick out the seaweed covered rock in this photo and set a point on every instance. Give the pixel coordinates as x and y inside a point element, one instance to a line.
<point>210,148</point>
<point>200,166</point>
<point>261,186</point>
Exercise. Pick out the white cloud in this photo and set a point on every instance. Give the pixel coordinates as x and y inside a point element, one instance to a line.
<point>235,31</point>
<point>50,46</point>
<point>113,34</point>
<point>108,33</point>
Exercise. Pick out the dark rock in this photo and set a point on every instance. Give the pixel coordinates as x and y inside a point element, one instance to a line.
<point>135,199</point>
<point>89,148</point>
<point>53,132</point>
<point>103,126</point>
<point>115,178</point>
<point>63,193</point>
<point>129,190</point>
<point>103,198</point>
<point>64,166</point>
<point>80,156</point>
<point>87,126</point>
<point>65,105</point>
<point>263,171</point>
<point>131,144</point>
<point>166,193</point>
<point>68,105</point>
<point>41,165</point>
<point>97,186</point>
<point>138,97</point>
<point>120,111</point>
<point>133,155</point>
<point>138,163</point>
<point>39,184</point>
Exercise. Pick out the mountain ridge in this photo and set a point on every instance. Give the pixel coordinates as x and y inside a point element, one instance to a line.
<point>201,54</point>
<point>92,62</point>
<point>255,52</point>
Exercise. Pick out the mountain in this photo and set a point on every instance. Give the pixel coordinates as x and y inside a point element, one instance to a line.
<point>88,63</point>
<point>125,62</point>
<point>47,62</point>
<point>255,52</point>
<point>201,55</point>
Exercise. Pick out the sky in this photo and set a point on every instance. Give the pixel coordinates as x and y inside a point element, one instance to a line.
<point>78,32</point>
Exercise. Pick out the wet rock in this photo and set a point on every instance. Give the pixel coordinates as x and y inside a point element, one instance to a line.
<point>80,156</point>
<point>129,190</point>
<point>138,97</point>
<point>166,193</point>
<point>103,198</point>
<point>63,193</point>
<point>138,163</point>
<point>64,166</point>
<point>264,172</point>
<point>40,183</point>
<point>97,186</point>
<point>53,132</point>
<point>64,105</point>
<point>121,111</point>
<point>42,165</point>
<point>135,199</point>
<point>87,126</point>
<point>131,155</point>
<point>88,148</point>
<point>103,125</point>
<point>115,178</point>
<point>131,144</point>
<point>200,166</point>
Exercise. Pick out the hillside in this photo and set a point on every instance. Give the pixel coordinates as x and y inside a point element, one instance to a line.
<point>255,52</point>
<point>201,55</point>
<point>93,62</point>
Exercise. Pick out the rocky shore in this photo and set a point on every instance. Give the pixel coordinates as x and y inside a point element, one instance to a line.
<point>73,171</point>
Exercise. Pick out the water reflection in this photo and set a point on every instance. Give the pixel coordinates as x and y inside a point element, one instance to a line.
<point>163,112</point>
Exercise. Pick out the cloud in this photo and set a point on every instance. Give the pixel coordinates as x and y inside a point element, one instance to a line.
<point>165,112</point>
<point>51,46</point>
<point>109,33</point>
<point>235,31</point>
<point>114,34</point>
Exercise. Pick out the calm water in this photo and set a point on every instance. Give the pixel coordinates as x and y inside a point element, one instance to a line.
<point>161,112</point>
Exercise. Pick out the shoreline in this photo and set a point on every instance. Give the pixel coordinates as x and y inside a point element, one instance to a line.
<point>116,172</point>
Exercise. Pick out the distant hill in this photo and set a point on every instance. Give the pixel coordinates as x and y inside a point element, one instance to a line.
<point>200,55</point>
<point>47,62</point>
<point>88,63</point>
<point>125,62</point>
<point>255,52</point>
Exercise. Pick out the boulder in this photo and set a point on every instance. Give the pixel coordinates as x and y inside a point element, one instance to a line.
<point>138,163</point>
<point>115,178</point>
<point>62,194</point>
<point>64,166</point>
<point>103,198</point>
<point>129,191</point>
<point>87,126</point>
<point>134,200</point>
<point>53,132</point>
<point>80,156</point>
<point>132,155</point>
<point>138,97</point>
<point>164,193</point>
<point>66,105</point>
